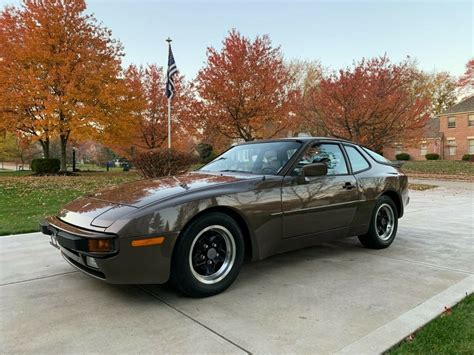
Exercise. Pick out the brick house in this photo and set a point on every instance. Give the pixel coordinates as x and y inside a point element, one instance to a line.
<point>431,142</point>
<point>457,126</point>
<point>451,135</point>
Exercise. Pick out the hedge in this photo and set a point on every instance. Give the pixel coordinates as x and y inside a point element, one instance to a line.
<point>468,157</point>
<point>162,162</point>
<point>432,156</point>
<point>402,156</point>
<point>45,166</point>
<point>206,153</point>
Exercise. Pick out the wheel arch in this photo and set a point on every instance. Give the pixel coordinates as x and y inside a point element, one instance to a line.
<point>395,196</point>
<point>250,246</point>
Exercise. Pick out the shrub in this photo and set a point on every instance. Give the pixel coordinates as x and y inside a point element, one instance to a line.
<point>45,166</point>
<point>206,152</point>
<point>402,156</point>
<point>162,162</point>
<point>432,156</point>
<point>468,157</point>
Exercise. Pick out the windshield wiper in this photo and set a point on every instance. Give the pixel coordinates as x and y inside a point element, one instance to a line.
<point>221,158</point>
<point>182,184</point>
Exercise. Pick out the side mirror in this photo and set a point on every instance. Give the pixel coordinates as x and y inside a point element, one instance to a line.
<point>315,169</point>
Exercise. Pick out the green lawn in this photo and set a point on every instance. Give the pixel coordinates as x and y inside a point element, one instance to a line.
<point>439,167</point>
<point>94,167</point>
<point>451,333</point>
<point>25,200</point>
<point>4,173</point>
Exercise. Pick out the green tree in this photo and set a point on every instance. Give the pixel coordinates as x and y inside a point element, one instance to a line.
<point>17,148</point>
<point>8,147</point>
<point>441,89</point>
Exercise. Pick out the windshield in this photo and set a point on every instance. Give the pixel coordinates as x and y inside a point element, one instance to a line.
<point>256,158</point>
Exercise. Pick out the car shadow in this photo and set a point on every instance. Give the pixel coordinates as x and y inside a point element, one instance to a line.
<point>309,261</point>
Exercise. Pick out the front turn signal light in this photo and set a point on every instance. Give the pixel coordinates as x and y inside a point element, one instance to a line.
<point>99,245</point>
<point>148,241</point>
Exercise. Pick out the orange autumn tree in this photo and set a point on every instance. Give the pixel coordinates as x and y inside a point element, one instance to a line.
<point>20,110</point>
<point>151,122</point>
<point>373,103</point>
<point>60,73</point>
<point>246,89</point>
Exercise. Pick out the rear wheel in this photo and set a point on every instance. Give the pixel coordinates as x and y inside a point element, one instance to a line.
<point>208,255</point>
<point>383,225</point>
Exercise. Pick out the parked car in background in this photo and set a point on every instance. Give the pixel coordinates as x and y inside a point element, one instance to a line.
<point>255,200</point>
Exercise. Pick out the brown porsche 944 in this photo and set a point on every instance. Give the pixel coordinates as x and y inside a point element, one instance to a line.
<point>255,200</point>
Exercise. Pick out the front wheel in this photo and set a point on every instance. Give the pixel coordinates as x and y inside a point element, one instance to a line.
<point>383,225</point>
<point>208,255</point>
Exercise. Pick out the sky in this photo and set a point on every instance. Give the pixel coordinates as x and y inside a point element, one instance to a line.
<point>439,34</point>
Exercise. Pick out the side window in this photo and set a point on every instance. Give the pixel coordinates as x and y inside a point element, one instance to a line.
<point>290,153</point>
<point>377,157</point>
<point>358,162</point>
<point>330,154</point>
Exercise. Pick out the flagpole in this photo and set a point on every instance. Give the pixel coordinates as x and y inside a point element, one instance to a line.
<point>169,123</point>
<point>169,106</point>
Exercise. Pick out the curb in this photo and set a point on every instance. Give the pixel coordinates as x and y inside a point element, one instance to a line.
<point>392,333</point>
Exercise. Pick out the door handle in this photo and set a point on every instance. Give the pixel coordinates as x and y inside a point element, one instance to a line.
<point>348,186</point>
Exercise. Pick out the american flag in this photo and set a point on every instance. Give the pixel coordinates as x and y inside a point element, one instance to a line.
<point>172,70</point>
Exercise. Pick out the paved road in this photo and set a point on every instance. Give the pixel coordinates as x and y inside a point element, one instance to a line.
<point>337,297</point>
<point>13,166</point>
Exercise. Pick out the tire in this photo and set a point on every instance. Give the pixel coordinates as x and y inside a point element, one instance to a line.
<point>380,234</point>
<point>216,239</point>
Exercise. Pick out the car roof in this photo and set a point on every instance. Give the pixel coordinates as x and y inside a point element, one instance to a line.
<point>297,139</point>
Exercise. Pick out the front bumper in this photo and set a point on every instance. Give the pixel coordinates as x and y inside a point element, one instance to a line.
<point>124,265</point>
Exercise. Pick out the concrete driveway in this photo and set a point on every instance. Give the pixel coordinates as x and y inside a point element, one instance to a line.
<point>337,297</point>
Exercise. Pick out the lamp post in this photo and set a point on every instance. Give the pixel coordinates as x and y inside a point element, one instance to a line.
<point>73,159</point>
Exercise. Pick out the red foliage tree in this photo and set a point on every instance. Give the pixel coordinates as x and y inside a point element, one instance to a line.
<point>373,103</point>
<point>150,129</point>
<point>245,89</point>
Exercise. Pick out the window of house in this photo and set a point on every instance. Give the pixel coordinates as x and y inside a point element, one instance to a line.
<point>451,143</point>
<point>451,122</point>
<point>357,160</point>
<point>470,120</point>
<point>423,149</point>
<point>470,146</point>
<point>398,149</point>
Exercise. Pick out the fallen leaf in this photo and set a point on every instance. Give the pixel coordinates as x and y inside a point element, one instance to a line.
<point>447,311</point>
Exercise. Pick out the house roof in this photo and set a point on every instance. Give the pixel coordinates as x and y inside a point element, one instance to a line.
<point>431,129</point>
<point>466,105</point>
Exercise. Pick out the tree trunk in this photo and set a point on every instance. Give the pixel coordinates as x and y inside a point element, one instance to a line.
<point>63,139</point>
<point>45,145</point>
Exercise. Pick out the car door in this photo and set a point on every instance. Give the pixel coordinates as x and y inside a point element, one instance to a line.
<point>312,205</point>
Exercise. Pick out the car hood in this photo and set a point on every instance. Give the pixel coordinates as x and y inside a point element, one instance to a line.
<point>101,208</point>
<point>143,192</point>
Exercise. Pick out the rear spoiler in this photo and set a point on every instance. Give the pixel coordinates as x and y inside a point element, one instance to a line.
<point>396,163</point>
